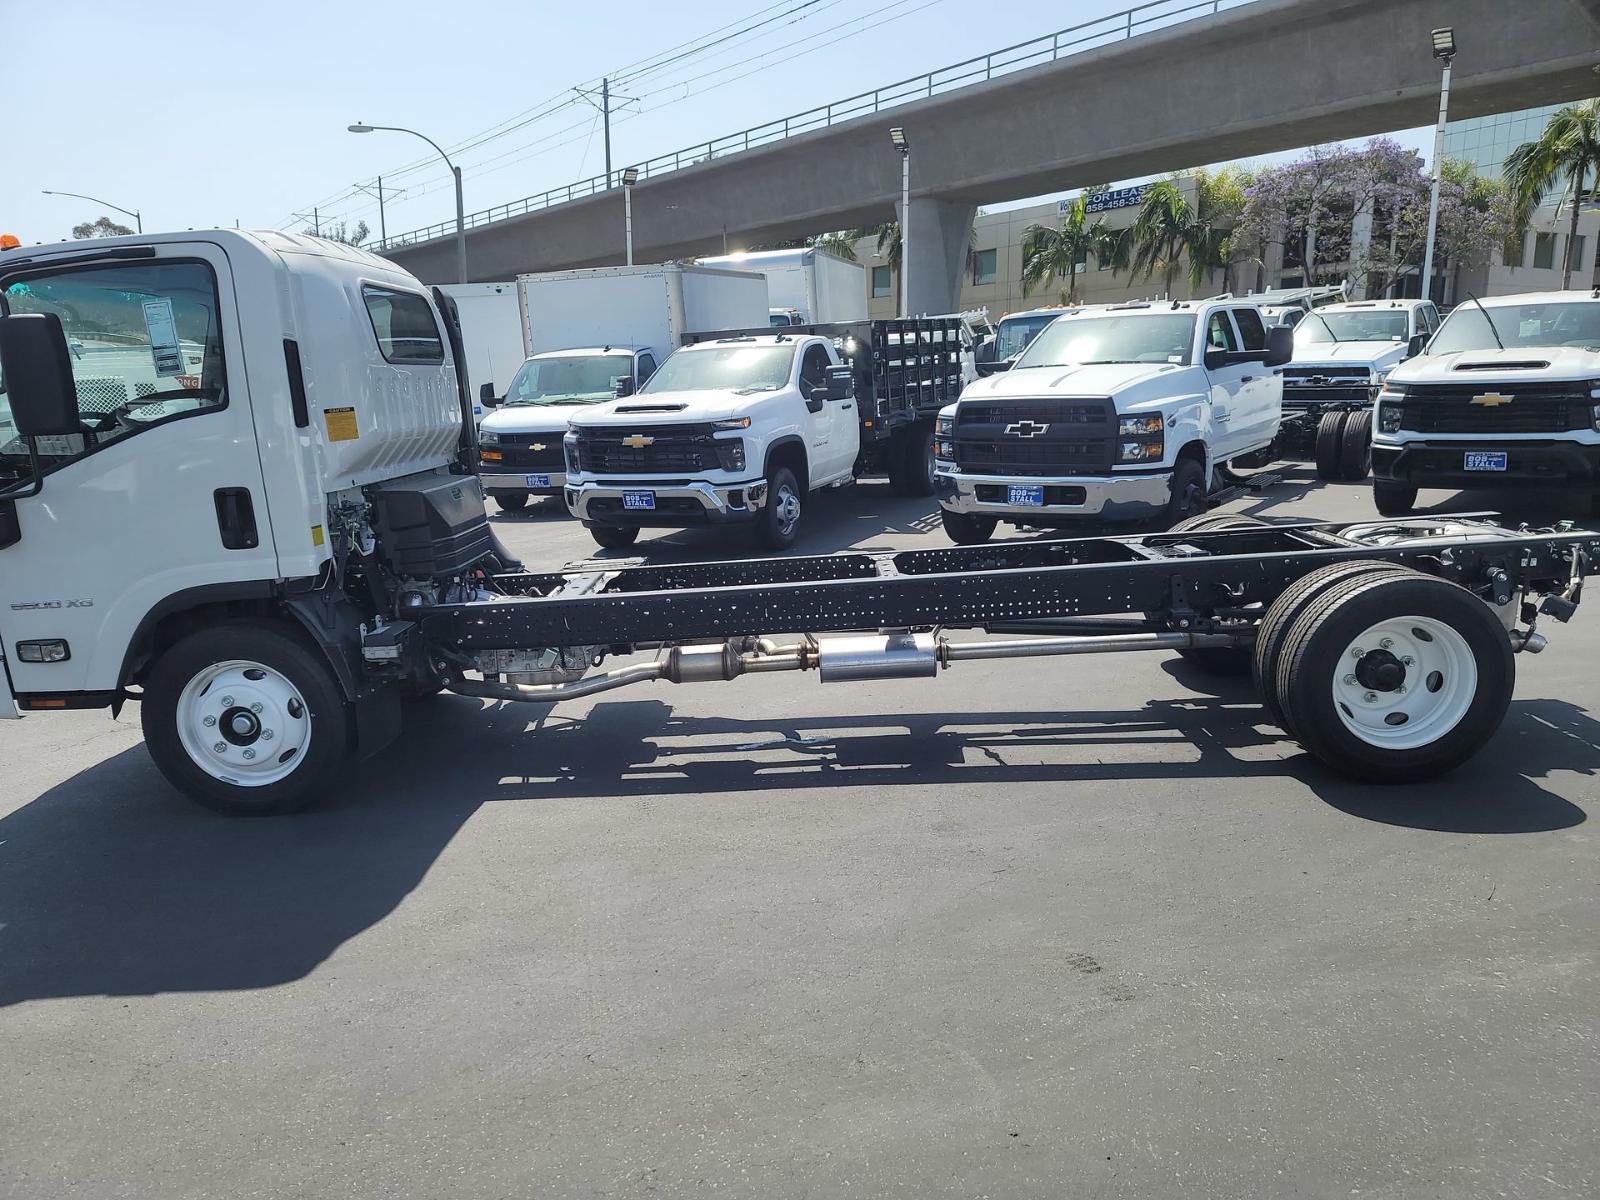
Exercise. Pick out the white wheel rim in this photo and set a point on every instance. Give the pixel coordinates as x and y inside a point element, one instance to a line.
<point>1405,682</point>
<point>244,723</point>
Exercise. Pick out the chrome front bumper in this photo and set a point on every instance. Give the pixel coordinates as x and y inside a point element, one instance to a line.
<point>722,502</point>
<point>518,482</point>
<point>1113,497</point>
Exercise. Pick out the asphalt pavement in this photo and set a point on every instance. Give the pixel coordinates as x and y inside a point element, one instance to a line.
<point>1056,928</point>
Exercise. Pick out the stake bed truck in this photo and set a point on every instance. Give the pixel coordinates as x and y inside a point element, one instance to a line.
<point>296,540</point>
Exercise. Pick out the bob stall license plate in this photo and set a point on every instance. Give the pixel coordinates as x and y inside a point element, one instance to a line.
<point>639,501</point>
<point>538,481</point>
<point>1484,460</point>
<point>1031,496</point>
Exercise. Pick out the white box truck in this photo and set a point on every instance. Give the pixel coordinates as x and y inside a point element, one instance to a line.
<point>804,287</point>
<point>592,335</point>
<point>491,327</point>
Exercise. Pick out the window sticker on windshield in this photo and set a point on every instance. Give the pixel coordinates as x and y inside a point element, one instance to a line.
<point>1528,328</point>
<point>1174,358</point>
<point>162,327</point>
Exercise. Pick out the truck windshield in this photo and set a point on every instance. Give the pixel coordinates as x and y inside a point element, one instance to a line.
<point>1519,325</point>
<point>1015,334</point>
<point>570,379</point>
<point>1384,325</point>
<point>1113,338</point>
<point>723,369</point>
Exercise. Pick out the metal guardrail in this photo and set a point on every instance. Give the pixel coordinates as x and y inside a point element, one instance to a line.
<point>1064,43</point>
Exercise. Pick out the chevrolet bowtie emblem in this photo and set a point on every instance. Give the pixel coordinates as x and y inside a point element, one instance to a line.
<point>638,441</point>
<point>536,446</point>
<point>1027,428</point>
<point>1492,399</point>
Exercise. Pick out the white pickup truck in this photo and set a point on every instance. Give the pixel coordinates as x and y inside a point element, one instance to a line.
<point>1507,393</point>
<point>1342,354</point>
<point>1118,412</point>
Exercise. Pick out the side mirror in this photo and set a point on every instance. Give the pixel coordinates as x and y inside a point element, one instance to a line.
<point>1280,346</point>
<point>993,366</point>
<point>985,351</point>
<point>486,396</point>
<point>841,382</point>
<point>1215,358</point>
<point>622,386</point>
<point>1416,345</point>
<point>38,373</point>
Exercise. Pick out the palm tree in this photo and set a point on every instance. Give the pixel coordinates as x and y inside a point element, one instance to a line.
<point>1569,145</point>
<point>841,242</point>
<point>1055,253</point>
<point>1163,231</point>
<point>888,244</point>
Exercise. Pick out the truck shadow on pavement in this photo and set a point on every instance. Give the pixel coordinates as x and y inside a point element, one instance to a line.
<point>112,884</point>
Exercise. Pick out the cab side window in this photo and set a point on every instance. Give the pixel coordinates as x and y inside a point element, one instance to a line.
<point>403,322</point>
<point>1219,333</point>
<point>647,368</point>
<point>145,344</point>
<point>814,367</point>
<point>1252,333</point>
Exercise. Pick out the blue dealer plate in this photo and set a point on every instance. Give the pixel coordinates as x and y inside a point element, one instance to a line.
<point>645,501</point>
<point>1484,460</point>
<point>1028,497</point>
<point>537,481</point>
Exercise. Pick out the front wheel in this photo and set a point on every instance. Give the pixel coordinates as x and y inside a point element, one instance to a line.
<point>916,473</point>
<point>247,719</point>
<point>510,501</point>
<point>1188,497</point>
<point>967,530</point>
<point>779,524</point>
<point>615,537</point>
<point>1393,499</point>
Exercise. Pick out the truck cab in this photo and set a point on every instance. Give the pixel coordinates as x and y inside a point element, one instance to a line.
<point>1116,412</point>
<point>1507,393</point>
<point>1012,335</point>
<point>731,430</point>
<point>1342,354</point>
<point>520,437</point>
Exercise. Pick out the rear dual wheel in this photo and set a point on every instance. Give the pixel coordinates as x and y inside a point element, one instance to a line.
<point>1344,446</point>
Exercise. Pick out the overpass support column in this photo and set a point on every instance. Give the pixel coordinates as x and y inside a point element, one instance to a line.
<point>935,233</point>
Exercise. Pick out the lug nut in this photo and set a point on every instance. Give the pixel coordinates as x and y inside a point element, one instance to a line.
<point>1386,643</point>
<point>1409,661</point>
<point>1401,689</point>
<point>1350,679</point>
<point>209,722</point>
<point>227,702</point>
<point>1370,697</point>
<point>221,747</point>
<point>266,735</point>
<point>249,753</point>
<point>255,708</point>
<point>1357,652</point>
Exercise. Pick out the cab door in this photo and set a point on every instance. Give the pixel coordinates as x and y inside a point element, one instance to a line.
<point>1260,405</point>
<point>835,435</point>
<point>161,491</point>
<point>1229,411</point>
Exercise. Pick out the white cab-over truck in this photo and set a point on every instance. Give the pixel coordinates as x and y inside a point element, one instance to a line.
<point>1506,394</point>
<point>1122,412</point>
<point>741,427</point>
<point>274,546</point>
<point>1342,355</point>
<point>593,335</point>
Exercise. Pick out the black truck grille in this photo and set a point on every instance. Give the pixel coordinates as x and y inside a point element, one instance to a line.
<point>1035,437</point>
<point>522,452</point>
<point>1320,385</point>
<point>1493,409</point>
<point>672,449</point>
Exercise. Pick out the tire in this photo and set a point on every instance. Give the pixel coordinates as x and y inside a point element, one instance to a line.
<point>1393,499</point>
<point>1428,689</point>
<point>894,464</point>
<point>1188,494</point>
<point>916,470</point>
<point>1355,451</point>
<point>298,741</point>
<point>964,529</point>
<point>1280,617</point>
<point>1330,445</point>
<point>1217,660</point>
<point>510,501</point>
<point>615,537</point>
<point>778,527</point>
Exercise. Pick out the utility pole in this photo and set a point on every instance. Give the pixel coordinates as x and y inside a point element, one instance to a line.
<point>604,108</point>
<point>383,227</point>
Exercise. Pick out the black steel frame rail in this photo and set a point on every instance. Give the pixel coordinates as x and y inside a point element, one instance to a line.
<point>1190,575</point>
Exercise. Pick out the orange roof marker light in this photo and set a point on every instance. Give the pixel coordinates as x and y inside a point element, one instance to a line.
<point>9,241</point>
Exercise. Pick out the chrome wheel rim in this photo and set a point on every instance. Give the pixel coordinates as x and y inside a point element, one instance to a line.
<point>787,509</point>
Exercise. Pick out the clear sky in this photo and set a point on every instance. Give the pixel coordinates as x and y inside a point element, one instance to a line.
<point>201,114</point>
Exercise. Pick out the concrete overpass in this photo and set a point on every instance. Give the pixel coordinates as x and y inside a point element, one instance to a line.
<point>1269,76</point>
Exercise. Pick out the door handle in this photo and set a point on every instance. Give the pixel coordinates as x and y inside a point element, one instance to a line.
<point>1247,379</point>
<point>236,519</point>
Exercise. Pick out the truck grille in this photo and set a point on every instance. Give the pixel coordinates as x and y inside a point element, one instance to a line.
<point>517,452</point>
<point>1047,437</point>
<point>671,449</point>
<point>1449,408</point>
<point>1324,385</point>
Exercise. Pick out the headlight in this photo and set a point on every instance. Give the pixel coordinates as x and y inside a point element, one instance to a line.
<point>732,423</point>
<point>488,437</point>
<point>944,426</point>
<point>730,453</point>
<point>1145,426</point>
<point>1391,411</point>
<point>1594,394</point>
<point>1143,451</point>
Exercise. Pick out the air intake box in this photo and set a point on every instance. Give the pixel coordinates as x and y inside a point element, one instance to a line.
<point>430,526</point>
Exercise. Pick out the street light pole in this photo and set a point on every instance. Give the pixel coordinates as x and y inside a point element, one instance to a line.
<point>461,211</point>
<point>897,136</point>
<point>630,176</point>
<point>1444,48</point>
<point>138,221</point>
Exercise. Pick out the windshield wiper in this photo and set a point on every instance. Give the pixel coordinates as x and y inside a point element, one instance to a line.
<point>1487,318</point>
<point>757,387</point>
<point>1323,321</point>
